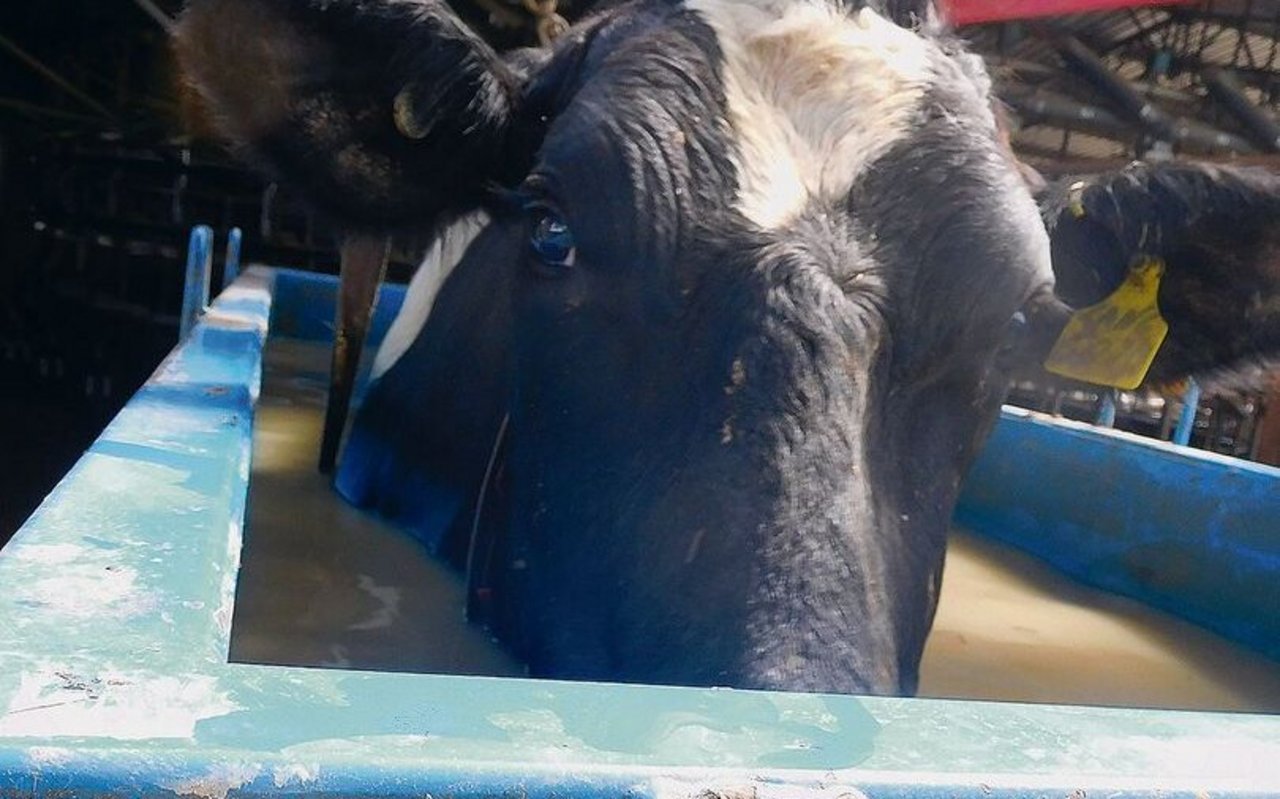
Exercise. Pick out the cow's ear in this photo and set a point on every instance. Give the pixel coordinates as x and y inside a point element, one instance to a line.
<point>384,114</point>
<point>1217,232</point>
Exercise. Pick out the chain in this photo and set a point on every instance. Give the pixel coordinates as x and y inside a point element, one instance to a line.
<point>547,21</point>
<point>550,25</point>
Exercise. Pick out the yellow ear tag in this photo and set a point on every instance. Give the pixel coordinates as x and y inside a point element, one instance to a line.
<point>1075,199</point>
<point>1114,342</point>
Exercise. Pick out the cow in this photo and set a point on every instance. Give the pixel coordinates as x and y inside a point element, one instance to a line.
<point>722,303</point>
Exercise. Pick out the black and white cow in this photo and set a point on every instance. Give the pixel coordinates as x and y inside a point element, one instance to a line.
<point>718,314</point>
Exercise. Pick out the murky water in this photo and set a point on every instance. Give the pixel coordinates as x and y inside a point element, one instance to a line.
<point>325,585</point>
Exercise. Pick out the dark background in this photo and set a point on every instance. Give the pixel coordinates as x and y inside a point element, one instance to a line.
<point>99,185</point>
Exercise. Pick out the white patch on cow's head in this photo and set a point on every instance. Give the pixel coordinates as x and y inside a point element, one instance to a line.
<point>445,253</point>
<point>815,96</point>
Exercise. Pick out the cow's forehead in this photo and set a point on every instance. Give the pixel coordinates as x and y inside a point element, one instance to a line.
<point>815,96</point>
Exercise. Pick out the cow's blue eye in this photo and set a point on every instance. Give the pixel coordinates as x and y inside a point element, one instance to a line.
<point>552,241</point>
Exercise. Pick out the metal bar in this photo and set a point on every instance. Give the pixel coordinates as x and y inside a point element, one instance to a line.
<point>39,110</point>
<point>153,11</point>
<point>1107,409</point>
<point>1140,33</point>
<point>1243,31</point>
<point>1049,162</point>
<point>53,77</point>
<point>1123,96</point>
<point>1061,109</point>
<point>1266,434</point>
<point>1228,91</point>
<point>1260,78</point>
<point>231,264</point>
<point>1187,419</point>
<point>195,290</point>
<point>364,261</point>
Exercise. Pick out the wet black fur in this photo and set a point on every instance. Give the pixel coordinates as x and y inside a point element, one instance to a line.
<point>1218,231</point>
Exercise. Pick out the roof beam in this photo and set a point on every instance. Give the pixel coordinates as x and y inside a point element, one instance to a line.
<point>1122,96</point>
<point>1052,164</point>
<point>1228,91</point>
<point>1140,33</point>
<point>1140,110</point>
<point>1059,109</point>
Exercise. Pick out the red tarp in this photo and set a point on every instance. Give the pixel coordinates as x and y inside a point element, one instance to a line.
<point>968,12</point>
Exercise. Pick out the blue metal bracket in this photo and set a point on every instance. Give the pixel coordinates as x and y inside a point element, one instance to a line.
<point>231,264</point>
<point>1187,419</point>
<point>1107,409</point>
<point>195,289</point>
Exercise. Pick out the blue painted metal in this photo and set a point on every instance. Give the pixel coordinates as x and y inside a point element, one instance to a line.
<point>306,305</point>
<point>231,264</point>
<point>195,289</point>
<point>1107,413</point>
<point>115,620</point>
<point>1191,532</point>
<point>1187,419</point>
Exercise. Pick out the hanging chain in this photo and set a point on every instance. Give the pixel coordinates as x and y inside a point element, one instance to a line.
<point>547,22</point>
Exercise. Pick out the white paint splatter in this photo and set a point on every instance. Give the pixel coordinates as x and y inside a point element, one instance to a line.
<point>89,590</point>
<point>55,701</point>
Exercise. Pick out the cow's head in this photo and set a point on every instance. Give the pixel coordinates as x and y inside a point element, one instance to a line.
<point>741,273</point>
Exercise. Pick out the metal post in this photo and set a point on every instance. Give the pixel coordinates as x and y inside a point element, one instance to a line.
<point>231,265</point>
<point>1187,420</point>
<point>1107,410</point>
<point>195,291</point>
<point>364,261</point>
<point>1266,433</point>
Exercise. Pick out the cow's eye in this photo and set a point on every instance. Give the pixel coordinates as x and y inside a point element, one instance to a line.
<point>552,241</point>
<point>1016,335</point>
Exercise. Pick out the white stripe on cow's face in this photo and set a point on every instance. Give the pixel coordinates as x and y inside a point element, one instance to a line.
<point>815,96</point>
<point>445,253</point>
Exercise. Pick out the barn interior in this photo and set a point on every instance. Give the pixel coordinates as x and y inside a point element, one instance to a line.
<point>106,163</point>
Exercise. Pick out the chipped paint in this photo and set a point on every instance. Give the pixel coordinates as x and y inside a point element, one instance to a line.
<point>299,774</point>
<point>218,781</point>
<point>41,756</point>
<point>755,788</point>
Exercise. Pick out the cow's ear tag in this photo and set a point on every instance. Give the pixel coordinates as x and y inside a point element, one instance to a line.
<point>1114,342</point>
